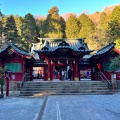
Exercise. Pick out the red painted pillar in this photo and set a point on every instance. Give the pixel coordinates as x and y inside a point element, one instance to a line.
<point>7,86</point>
<point>77,70</point>
<point>49,70</point>
<point>74,71</point>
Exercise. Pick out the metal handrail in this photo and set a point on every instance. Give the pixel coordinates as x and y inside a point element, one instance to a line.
<point>26,75</point>
<point>104,78</point>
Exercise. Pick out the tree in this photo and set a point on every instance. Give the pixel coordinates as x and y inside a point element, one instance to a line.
<point>117,42</point>
<point>114,25</point>
<point>72,27</point>
<point>87,30</point>
<point>52,27</point>
<point>1,23</point>
<point>102,30</point>
<point>63,25</point>
<point>115,64</point>
<point>28,31</point>
<point>88,27</point>
<point>1,79</point>
<point>18,21</point>
<point>10,30</point>
<point>114,30</point>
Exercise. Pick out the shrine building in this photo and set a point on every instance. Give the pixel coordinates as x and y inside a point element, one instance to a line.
<point>50,55</point>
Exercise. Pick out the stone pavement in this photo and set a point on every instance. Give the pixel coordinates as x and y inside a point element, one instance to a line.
<point>82,107</point>
<point>16,108</point>
<point>63,107</point>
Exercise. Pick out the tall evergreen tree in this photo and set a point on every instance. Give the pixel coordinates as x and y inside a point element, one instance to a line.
<point>28,31</point>
<point>1,27</point>
<point>87,30</point>
<point>88,26</point>
<point>102,30</point>
<point>72,27</point>
<point>114,26</point>
<point>63,24</point>
<point>52,26</point>
<point>1,24</point>
<point>10,30</point>
<point>18,21</point>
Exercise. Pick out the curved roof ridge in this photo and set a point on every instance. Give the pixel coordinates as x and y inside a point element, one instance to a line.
<point>105,49</point>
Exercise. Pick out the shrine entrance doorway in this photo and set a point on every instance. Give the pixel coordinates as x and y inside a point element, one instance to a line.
<point>60,65</point>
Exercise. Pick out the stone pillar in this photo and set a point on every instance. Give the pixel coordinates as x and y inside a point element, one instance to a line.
<point>76,70</point>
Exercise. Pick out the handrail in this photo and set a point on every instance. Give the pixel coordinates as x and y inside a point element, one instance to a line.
<point>26,75</point>
<point>104,78</point>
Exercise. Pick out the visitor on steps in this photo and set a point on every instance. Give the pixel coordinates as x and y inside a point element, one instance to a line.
<point>69,74</point>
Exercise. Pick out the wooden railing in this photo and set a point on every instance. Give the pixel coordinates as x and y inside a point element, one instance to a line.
<point>101,76</point>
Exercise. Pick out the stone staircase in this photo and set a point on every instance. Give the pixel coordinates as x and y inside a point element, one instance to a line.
<point>35,88</point>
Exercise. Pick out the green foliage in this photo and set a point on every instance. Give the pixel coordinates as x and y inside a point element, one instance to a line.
<point>52,27</point>
<point>115,64</point>
<point>114,24</point>
<point>28,30</point>
<point>10,30</point>
<point>1,28</point>
<point>18,21</point>
<point>102,31</point>
<point>117,41</point>
<point>2,79</point>
<point>72,27</point>
<point>114,30</point>
<point>1,24</point>
<point>53,10</point>
<point>23,30</point>
<point>87,30</point>
<point>88,27</point>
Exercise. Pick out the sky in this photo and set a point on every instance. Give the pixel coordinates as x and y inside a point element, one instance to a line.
<point>41,7</point>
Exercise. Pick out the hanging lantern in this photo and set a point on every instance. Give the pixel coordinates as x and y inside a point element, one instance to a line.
<point>58,61</point>
<point>73,61</point>
<point>51,60</point>
<point>67,61</point>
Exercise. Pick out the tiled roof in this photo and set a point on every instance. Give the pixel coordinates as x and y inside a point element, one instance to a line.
<point>12,45</point>
<point>105,49</point>
<point>77,45</point>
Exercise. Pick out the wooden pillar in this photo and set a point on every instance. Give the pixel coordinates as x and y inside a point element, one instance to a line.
<point>49,70</point>
<point>76,70</point>
<point>31,70</point>
<point>79,71</point>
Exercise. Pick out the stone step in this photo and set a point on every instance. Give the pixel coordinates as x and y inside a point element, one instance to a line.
<point>36,93</point>
<point>62,87</point>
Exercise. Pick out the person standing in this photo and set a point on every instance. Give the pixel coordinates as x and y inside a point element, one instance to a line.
<point>87,74</point>
<point>55,74</point>
<point>33,74</point>
<point>69,74</point>
<point>60,74</point>
<point>63,74</point>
